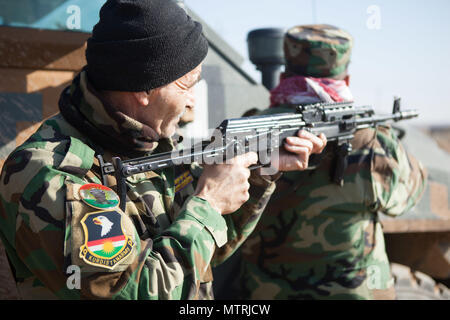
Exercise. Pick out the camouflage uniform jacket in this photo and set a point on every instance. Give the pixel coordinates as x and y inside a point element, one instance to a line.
<point>172,237</point>
<point>318,240</point>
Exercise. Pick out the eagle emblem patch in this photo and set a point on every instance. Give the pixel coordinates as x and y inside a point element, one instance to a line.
<point>98,196</point>
<point>105,242</point>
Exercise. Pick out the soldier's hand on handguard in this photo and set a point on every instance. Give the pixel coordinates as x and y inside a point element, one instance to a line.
<point>297,150</point>
<point>225,186</point>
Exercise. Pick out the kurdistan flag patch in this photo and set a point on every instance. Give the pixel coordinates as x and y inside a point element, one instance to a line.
<point>106,244</point>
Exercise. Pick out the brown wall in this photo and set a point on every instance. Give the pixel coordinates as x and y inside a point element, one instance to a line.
<point>39,61</point>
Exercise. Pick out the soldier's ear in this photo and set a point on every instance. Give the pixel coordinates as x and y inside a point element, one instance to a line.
<point>142,98</point>
<point>347,80</point>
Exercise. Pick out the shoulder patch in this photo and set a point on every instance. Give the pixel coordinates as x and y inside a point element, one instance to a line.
<point>121,241</point>
<point>98,196</point>
<point>105,241</point>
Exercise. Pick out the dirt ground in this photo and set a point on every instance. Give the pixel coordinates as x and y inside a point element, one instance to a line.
<point>8,289</point>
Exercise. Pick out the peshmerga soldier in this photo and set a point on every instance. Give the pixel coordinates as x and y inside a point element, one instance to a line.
<point>58,221</point>
<point>318,239</point>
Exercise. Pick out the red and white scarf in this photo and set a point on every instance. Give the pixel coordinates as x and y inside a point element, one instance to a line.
<point>306,90</point>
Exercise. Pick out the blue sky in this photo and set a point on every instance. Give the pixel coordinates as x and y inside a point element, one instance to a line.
<point>407,56</point>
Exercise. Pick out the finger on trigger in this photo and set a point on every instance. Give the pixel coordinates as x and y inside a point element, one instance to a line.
<point>246,159</point>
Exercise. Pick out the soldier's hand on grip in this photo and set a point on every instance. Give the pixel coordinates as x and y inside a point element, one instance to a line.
<point>225,186</point>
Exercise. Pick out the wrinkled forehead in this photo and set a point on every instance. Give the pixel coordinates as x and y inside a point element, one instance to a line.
<point>195,73</point>
<point>192,76</point>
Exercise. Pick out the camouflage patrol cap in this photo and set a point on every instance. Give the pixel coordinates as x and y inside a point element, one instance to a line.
<point>317,50</point>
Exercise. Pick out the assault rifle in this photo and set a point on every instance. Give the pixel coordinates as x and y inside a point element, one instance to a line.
<point>264,134</point>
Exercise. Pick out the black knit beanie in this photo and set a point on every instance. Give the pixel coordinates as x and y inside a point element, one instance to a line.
<point>139,45</point>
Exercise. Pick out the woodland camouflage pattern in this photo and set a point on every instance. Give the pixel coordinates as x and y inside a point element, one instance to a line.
<point>317,240</point>
<point>177,237</point>
<point>317,50</point>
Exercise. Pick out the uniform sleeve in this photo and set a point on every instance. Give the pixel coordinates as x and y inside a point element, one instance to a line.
<point>32,198</point>
<point>241,223</point>
<point>179,259</point>
<point>398,179</point>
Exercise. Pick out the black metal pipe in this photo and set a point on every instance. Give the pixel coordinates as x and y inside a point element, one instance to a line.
<point>265,49</point>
